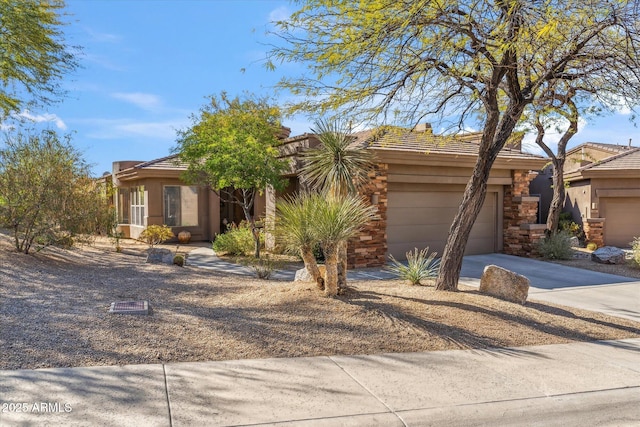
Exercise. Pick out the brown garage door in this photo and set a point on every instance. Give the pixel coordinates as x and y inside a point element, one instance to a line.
<point>622,220</point>
<point>421,219</point>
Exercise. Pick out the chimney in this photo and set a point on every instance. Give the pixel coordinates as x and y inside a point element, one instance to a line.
<point>423,128</point>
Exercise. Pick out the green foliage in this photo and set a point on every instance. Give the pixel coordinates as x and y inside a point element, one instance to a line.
<point>262,267</point>
<point>556,246</point>
<point>237,240</point>
<point>336,167</point>
<point>420,265</point>
<point>33,53</point>
<point>635,248</point>
<point>179,260</point>
<point>48,195</point>
<point>566,224</point>
<point>231,148</point>
<point>155,234</point>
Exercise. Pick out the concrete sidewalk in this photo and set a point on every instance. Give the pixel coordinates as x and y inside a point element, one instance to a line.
<point>568,384</point>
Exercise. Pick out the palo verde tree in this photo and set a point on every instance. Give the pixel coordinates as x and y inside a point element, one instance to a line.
<point>406,60</point>
<point>33,53</point>
<point>231,149</point>
<point>47,196</point>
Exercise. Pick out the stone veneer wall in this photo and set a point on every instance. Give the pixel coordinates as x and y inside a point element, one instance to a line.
<point>594,230</point>
<point>521,231</point>
<point>369,247</point>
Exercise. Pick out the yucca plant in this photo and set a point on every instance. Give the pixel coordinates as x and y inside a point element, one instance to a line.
<point>334,222</point>
<point>294,229</point>
<point>337,168</point>
<point>420,265</point>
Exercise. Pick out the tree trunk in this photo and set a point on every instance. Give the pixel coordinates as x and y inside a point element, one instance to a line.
<point>557,201</point>
<point>472,201</point>
<point>331,278</point>
<point>311,266</point>
<point>342,265</point>
<point>497,129</point>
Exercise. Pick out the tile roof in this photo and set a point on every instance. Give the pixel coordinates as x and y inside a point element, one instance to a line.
<point>426,142</point>
<point>612,148</point>
<point>167,163</point>
<point>628,160</point>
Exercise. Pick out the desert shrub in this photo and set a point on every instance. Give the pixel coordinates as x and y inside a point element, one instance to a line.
<point>556,246</point>
<point>592,246</point>
<point>262,267</point>
<point>238,240</point>
<point>179,260</point>
<point>420,265</point>
<point>155,234</point>
<point>567,224</point>
<point>635,254</point>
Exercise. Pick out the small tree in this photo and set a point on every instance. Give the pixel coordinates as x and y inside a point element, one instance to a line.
<point>231,148</point>
<point>46,194</point>
<point>34,55</point>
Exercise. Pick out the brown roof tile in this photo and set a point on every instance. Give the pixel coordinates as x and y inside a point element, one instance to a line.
<point>628,160</point>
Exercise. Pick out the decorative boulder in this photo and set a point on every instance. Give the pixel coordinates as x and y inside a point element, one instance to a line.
<point>574,242</point>
<point>608,255</point>
<point>504,284</point>
<point>160,256</point>
<point>303,275</point>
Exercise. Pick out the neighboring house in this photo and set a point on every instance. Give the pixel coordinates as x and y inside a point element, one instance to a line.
<point>417,187</point>
<point>148,193</point>
<point>604,192</point>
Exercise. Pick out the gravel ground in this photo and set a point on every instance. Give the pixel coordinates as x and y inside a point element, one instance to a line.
<point>54,313</point>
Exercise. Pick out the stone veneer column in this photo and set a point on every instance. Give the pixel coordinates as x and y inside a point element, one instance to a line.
<point>369,247</point>
<point>594,230</point>
<point>521,231</point>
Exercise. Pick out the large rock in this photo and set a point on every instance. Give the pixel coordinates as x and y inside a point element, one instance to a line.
<point>303,275</point>
<point>160,256</point>
<point>574,242</point>
<point>608,255</point>
<point>502,283</point>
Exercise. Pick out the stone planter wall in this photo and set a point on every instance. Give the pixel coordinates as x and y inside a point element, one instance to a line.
<point>521,233</point>
<point>594,230</point>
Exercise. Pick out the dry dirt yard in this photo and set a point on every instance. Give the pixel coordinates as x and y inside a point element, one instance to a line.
<point>54,313</point>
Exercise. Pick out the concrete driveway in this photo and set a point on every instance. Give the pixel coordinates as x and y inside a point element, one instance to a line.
<point>558,284</point>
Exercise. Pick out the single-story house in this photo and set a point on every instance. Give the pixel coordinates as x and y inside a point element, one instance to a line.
<point>152,192</point>
<point>417,187</point>
<point>604,191</point>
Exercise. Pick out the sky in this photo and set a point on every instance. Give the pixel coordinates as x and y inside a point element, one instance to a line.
<point>148,65</point>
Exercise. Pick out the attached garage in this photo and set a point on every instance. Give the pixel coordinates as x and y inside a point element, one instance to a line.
<point>418,216</point>
<point>622,220</point>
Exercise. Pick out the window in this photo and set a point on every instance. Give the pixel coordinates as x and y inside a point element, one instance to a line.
<point>123,206</point>
<point>137,206</point>
<point>180,206</point>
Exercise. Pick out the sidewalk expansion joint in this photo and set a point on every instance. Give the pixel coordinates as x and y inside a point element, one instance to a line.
<point>166,394</point>
<point>368,391</point>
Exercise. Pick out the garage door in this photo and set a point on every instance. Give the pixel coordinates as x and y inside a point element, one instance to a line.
<point>421,219</point>
<point>622,220</point>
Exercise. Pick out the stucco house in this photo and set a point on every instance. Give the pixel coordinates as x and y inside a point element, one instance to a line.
<point>417,187</point>
<point>604,191</point>
<point>148,193</point>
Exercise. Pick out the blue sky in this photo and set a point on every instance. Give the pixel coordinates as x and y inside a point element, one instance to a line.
<point>147,65</point>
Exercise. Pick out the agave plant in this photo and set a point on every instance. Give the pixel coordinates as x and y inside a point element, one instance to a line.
<point>420,265</point>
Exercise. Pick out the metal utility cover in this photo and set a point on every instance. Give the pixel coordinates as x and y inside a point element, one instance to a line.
<point>130,307</point>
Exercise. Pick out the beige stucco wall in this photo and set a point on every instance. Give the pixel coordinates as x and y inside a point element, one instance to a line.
<point>578,201</point>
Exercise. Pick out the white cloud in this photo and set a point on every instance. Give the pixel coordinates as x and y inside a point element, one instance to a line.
<point>145,101</point>
<point>281,13</point>
<point>127,128</point>
<point>42,118</point>
<point>98,36</point>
